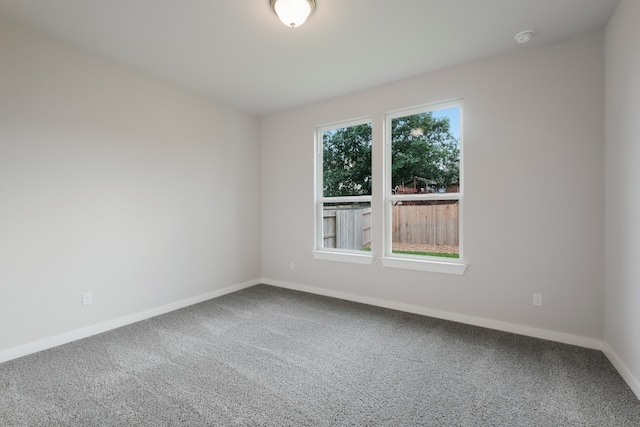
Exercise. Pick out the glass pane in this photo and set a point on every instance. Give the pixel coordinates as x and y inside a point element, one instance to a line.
<point>346,226</point>
<point>346,161</point>
<point>426,228</point>
<point>425,152</point>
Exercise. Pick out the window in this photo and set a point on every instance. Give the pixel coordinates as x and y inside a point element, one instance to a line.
<point>423,193</point>
<point>420,193</point>
<point>344,188</point>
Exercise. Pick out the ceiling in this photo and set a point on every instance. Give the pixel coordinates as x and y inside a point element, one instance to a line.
<point>238,52</point>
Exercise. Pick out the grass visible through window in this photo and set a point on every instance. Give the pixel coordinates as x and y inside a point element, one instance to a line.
<point>437,254</point>
<point>440,254</point>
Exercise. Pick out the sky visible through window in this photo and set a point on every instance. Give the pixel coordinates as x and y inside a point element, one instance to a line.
<point>453,114</point>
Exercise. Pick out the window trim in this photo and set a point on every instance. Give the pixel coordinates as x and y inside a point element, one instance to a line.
<point>455,266</point>
<point>406,261</point>
<point>344,255</point>
<point>319,251</point>
<point>431,265</point>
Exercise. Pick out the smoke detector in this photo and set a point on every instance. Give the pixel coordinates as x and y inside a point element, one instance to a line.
<point>524,36</point>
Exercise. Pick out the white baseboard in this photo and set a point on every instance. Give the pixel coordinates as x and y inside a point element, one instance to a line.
<point>34,347</point>
<point>455,317</point>
<point>622,369</point>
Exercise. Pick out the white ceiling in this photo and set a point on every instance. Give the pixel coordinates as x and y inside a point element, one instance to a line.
<point>238,52</point>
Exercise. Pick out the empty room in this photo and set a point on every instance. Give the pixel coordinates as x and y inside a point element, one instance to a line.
<point>319,213</point>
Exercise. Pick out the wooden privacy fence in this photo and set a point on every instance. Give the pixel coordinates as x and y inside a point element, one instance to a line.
<point>426,224</point>
<point>346,228</point>
<point>421,224</point>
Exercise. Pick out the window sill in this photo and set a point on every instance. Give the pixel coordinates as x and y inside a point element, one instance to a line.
<point>353,258</point>
<point>445,267</point>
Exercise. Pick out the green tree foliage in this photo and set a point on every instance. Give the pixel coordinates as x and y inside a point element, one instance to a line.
<point>346,161</point>
<point>422,146</point>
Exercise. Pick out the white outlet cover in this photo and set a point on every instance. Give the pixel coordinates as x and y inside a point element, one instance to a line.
<point>86,298</point>
<point>537,300</point>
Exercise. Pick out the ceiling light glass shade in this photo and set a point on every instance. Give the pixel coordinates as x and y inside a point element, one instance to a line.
<point>293,13</point>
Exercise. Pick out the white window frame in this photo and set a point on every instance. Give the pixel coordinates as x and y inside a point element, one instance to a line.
<point>416,262</point>
<point>334,254</point>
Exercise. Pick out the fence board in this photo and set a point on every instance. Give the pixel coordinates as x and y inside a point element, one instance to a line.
<point>426,224</point>
<point>329,228</point>
<point>416,224</point>
<point>346,228</point>
<point>366,227</point>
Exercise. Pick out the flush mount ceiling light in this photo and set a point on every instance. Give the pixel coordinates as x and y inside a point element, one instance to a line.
<point>524,36</point>
<point>293,13</point>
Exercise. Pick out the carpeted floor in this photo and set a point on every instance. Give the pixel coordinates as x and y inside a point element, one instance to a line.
<point>266,356</point>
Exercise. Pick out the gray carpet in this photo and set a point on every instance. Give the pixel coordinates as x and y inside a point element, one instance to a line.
<point>275,357</point>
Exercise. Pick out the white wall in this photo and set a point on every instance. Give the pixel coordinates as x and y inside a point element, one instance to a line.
<point>533,215</point>
<point>622,200</point>
<point>116,183</point>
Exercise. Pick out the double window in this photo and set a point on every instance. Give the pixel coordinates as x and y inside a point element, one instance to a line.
<point>421,192</point>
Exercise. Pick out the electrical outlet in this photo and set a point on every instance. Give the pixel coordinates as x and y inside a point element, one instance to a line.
<point>292,266</point>
<point>537,300</point>
<point>86,298</point>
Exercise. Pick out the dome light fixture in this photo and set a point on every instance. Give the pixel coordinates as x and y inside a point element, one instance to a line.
<point>524,36</point>
<point>293,13</point>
